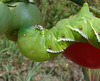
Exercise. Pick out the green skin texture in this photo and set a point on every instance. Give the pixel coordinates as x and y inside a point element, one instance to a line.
<point>5,18</point>
<point>83,27</point>
<point>23,14</point>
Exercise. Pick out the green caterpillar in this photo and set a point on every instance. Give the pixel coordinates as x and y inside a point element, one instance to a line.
<point>40,44</point>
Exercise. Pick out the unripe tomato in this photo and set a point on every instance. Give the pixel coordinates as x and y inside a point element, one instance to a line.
<point>5,18</point>
<point>83,54</point>
<point>23,14</point>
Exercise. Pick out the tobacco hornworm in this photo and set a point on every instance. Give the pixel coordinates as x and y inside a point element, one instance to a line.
<point>40,44</point>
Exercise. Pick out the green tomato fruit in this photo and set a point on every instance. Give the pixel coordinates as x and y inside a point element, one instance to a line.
<point>5,18</point>
<point>23,14</point>
<point>35,43</point>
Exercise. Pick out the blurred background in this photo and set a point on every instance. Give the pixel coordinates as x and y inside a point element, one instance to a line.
<point>15,67</point>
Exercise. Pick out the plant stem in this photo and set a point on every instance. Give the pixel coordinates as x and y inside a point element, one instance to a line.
<point>89,74</point>
<point>85,73</point>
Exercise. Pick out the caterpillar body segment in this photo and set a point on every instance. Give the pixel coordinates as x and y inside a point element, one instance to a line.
<point>84,27</point>
<point>38,46</point>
